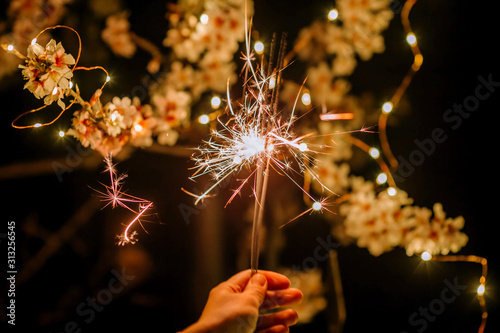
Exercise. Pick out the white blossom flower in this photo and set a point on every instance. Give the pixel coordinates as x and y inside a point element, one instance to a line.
<point>47,71</point>
<point>331,175</point>
<point>117,36</point>
<point>436,235</point>
<point>173,109</point>
<point>144,123</point>
<point>380,222</point>
<point>85,129</point>
<point>180,76</point>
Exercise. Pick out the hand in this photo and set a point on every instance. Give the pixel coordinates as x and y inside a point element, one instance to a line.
<point>234,305</point>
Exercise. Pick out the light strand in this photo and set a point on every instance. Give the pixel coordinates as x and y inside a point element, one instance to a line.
<point>396,98</point>
<point>482,280</point>
<point>75,95</point>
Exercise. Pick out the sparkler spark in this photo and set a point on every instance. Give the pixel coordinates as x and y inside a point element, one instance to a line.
<point>115,196</point>
<point>257,136</point>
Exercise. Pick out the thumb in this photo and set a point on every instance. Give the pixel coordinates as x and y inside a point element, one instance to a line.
<point>257,287</point>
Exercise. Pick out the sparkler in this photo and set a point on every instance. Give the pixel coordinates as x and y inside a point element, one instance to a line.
<point>258,137</point>
<point>115,196</point>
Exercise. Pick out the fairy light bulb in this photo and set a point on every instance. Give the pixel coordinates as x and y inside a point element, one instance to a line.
<point>204,18</point>
<point>108,78</point>
<point>374,152</point>
<point>387,107</point>
<point>392,191</point>
<point>61,134</point>
<point>70,84</point>
<point>306,98</point>
<point>303,147</point>
<point>37,125</point>
<point>33,41</point>
<point>333,14</point>
<point>10,48</point>
<point>215,102</point>
<point>481,289</point>
<point>138,127</point>
<point>259,47</point>
<point>381,178</point>
<point>204,119</point>
<point>54,91</point>
<point>272,82</point>
<point>426,256</point>
<point>411,39</point>
<point>317,206</point>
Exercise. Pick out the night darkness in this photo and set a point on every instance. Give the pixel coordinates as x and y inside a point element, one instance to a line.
<point>170,277</point>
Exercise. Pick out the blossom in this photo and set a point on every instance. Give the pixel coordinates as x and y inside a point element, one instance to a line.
<point>325,89</point>
<point>47,71</point>
<point>214,74</point>
<point>107,129</point>
<point>380,222</point>
<point>173,109</point>
<point>436,234</point>
<point>331,175</point>
<point>143,125</point>
<point>363,21</point>
<point>85,129</point>
<point>117,36</point>
<point>180,76</point>
<point>318,40</point>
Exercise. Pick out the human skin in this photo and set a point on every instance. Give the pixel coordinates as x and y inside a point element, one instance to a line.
<point>239,305</point>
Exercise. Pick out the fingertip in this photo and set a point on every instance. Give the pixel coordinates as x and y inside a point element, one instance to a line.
<point>259,279</point>
<point>276,280</point>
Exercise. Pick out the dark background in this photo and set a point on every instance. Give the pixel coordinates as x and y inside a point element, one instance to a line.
<point>173,272</point>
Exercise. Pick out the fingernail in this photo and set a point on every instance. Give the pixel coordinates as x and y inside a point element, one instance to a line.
<point>259,279</point>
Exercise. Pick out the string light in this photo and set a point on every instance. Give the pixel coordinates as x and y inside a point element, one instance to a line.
<point>204,119</point>
<point>259,47</point>
<point>33,41</point>
<point>108,78</point>
<point>138,127</point>
<point>417,62</point>
<point>381,178</point>
<point>387,107</point>
<point>215,102</point>
<point>303,147</point>
<point>61,134</point>
<point>204,18</point>
<point>333,14</point>
<point>481,290</point>
<point>374,152</point>
<point>482,280</point>
<point>306,98</point>
<point>392,191</point>
<point>411,38</point>
<point>426,256</point>
<point>272,82</point>
<point>10,48</point>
